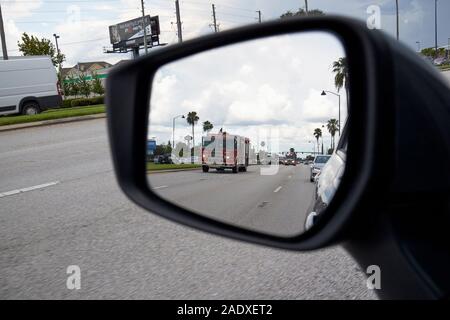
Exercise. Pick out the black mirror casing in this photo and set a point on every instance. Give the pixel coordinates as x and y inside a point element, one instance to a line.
<point>128,97</point>
<point>365,212</point>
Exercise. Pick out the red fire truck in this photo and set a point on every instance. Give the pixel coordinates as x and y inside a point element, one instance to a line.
<point>225,151</point>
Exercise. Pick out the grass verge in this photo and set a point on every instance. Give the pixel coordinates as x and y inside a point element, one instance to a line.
<point>53,114</point>
<point>155,167</point>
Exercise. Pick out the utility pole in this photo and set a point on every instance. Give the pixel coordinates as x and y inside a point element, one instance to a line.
<point>306,7</point>
<point>214,18</point>
<point>259,16</point>
<point>177,8</point>
<point>435,30</point>
<point>448,49</point>
<point>2,35</point>
<point>398,31</point>
<point>144,27</point>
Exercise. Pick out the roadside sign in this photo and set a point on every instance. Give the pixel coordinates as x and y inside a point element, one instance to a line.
<point>131,33</point>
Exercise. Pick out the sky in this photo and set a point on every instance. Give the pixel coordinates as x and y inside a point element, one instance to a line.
<point>83,24</point>
<point>268,90</point>
<point>83,29</point>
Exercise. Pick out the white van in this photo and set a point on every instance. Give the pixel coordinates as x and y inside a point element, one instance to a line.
<point>28,85</point>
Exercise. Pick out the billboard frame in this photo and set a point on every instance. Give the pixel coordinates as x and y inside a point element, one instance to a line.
<point>123,35</point>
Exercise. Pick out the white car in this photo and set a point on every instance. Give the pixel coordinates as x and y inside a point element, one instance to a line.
<point>28,85</point>
<point>317,165</point>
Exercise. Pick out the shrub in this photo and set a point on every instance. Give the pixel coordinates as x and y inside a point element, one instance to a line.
<point>80,102</point>
<point>86,101</point>
<point>98,100</point>
<point>66,103</point>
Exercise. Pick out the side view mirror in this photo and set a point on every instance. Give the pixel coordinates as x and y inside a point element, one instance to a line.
<point>217,133</point>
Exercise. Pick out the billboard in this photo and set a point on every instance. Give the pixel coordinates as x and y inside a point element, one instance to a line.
<point>131,34</point>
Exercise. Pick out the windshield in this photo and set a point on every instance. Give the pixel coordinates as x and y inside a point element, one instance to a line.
<point>207,142</point>
<point>321,159</point>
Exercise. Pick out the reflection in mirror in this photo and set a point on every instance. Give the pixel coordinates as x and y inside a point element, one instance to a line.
<point>248,134</point>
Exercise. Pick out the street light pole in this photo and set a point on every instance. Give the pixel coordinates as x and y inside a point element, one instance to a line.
<point>57,51</point>
<point>173,129</point>
<point>339,96</point>
<point>306,7</point>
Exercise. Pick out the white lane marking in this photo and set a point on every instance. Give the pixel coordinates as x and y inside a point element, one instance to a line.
<point>17,191</point>
<point>160,187</point>
<point>277,189</point>
<point>289,177</point>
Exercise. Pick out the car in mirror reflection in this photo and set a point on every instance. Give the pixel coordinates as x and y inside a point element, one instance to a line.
<point>317,165</point>
<point>326,181</point>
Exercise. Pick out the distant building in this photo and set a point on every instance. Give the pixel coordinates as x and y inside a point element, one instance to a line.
<point>88,69</point>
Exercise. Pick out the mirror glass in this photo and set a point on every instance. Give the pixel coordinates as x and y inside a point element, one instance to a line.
<point>248,134</point>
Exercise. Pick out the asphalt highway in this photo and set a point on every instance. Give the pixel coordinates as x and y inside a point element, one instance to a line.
<point>60,206</point>
<point>275,203</point>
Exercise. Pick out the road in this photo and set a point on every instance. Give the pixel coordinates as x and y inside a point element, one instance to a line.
<point>78,216</point>
<point>275,204</point>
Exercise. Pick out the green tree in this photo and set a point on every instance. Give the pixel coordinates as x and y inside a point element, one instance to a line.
<point>33,46</point>
<point>207,126</point>
<point>67,88</point>
<point>340,70</point>
<point>72,85</point>
<point>333,127</point>
<point>162,149</point>
<point>192,119</point>
<point>317,135</point>
<point>84,85</point>
<point>431,52</point>
<point>302,13</point>
<point>97,86</point>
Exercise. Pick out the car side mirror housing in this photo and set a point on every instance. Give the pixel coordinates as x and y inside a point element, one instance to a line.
<point>367,145</point>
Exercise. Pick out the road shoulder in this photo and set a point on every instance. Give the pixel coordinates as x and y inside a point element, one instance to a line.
<point>51,122</point>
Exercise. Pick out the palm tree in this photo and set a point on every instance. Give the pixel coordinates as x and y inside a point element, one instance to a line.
<point>317,134</point>
<point>192,120</point>
<point>207,126</point>
<point>340,70</point>
<point>333,127</point>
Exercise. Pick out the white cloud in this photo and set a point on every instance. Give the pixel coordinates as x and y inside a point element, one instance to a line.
<point>245,88</point>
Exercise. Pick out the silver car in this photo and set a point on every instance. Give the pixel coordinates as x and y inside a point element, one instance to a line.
<point>317,165</point>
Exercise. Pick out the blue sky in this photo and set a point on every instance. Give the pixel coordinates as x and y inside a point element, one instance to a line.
<point>83,24</point>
